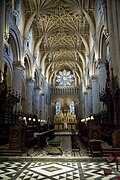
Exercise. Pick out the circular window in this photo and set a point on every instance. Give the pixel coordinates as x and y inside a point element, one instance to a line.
<point>64,78</point>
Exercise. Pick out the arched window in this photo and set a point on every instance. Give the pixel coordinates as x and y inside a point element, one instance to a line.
<point>72,107</point>
<point>58,108</point>
<point>99,9</point>
<point>29,39</point>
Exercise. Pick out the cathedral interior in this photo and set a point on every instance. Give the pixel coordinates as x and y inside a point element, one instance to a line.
<point>59,89</point>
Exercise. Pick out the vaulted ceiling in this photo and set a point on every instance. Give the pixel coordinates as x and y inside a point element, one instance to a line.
<point>61,29</point>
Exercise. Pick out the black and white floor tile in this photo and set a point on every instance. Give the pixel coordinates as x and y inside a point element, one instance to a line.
<point>65,146</point>
<point>54,171</point>
<point>75,169</point>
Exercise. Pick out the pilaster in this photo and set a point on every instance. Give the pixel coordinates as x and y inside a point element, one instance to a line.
<point>2,23</point>
<point>29,96</point>
<point>89,90</point>
<point>36,100</point>
<point>102,74</point>
<point>18,74</point>
<point>86,103</point>
<point>95,95</point>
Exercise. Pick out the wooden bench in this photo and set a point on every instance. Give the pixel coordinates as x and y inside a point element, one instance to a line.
<point>75,141</point>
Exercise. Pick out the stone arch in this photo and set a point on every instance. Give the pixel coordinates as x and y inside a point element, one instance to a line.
<point>103,48</point>
<point>28,24</point>
<point>90,21</point>
<point>85,44</point>
<point>102,44</point>
<point>36,78</point>
<point>43,62</point>
<point>82,58</point>
<point>47,72</point>
<point>27,64</point>
<point>13,49</point>
<point>78,78</point>
<point>15,40</point>
<point>93,64</point>
<point>38,44</point>
<point>42,86</point>
<point>15,52</point>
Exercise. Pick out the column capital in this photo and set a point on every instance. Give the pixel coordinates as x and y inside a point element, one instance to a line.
<point>30,84</point>
<point>30,80</point>
<point>85,92</point>
<point>88,87</point>
<point>101,60</point>
<point>19,65</point>
<point>37,88</point>
<point>93,77</point>
<point>101,63</point>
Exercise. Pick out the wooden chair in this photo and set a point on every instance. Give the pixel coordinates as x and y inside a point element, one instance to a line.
<point>95,146</point>
<point>54,145</point>
<point>117,162</point>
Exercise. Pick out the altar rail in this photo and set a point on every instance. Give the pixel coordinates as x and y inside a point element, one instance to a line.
<point>60,126</point>
<point>65,90</point>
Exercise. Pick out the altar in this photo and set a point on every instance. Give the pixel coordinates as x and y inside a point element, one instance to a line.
<point>65,121</point>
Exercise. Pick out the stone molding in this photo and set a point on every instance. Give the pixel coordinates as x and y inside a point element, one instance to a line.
<point>93,77</point>
<point>36,88</point>
<point>19,65</point>
<point>101,63</point>
<point>88,87</point>
<point>30,80</point>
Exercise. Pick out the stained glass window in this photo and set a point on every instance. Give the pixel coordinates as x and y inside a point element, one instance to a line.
<point>64,78</point>
<point>72,107</point>
<point>99,9</point>
<point>58,108</point>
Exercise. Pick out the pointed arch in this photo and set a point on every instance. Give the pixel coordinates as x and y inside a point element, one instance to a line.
<point>85,44</point>
<point>89,19</point>
<point>28,24</point>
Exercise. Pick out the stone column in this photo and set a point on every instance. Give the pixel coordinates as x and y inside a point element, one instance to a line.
<point>29,96</point>
<point>102,78</point>
<point>86,103</point>
<point>102,74</point>
<point>113,34</point>
<point>2,23</point>
<point>18,73</point>
<point>43,106</point>
<point>89,90</point>
<point>95,95</point>
<point>36,101</point>
<point>83,110</point>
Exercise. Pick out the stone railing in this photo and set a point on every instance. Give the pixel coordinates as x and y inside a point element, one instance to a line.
<point>65,90</point>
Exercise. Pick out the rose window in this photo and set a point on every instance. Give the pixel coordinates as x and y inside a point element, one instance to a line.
<point>64,78</point>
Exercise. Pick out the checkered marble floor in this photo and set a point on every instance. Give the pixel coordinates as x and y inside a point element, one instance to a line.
<point>66,147</point>
<point>58,170</point>
<point>69,166</point>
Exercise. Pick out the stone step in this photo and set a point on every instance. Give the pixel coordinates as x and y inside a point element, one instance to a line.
<point>10,152</point>
<point>66,132</point>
